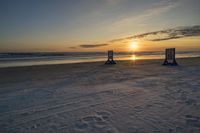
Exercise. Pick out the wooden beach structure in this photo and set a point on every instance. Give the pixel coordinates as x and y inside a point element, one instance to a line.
<point>170,57</point>
<point>110,58</point>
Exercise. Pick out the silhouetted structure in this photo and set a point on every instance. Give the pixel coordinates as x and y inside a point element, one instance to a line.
<point>110,58</point>
<point>170,58</point>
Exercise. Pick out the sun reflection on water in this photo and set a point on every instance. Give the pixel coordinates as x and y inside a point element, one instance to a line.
<point>133,57</point>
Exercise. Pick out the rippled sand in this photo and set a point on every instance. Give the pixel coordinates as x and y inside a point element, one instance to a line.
<point>139,96</point>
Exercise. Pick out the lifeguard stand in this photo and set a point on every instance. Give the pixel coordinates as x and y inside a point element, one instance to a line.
<point>110,58</point>
<point>170,58</point>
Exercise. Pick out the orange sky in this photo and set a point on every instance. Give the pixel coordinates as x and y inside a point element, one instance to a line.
<point>91,25</point>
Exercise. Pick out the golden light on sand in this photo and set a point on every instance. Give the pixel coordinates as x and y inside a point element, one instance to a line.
<point>134,45</point>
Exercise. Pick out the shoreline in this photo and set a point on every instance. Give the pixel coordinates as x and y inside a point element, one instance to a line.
<point>79,63</point>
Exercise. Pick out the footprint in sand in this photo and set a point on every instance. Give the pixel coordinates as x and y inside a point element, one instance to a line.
<point>191,102</point>
<point>81,125</point>
<point>193,121</point>
<point>97,120</point>
<point>138,109</point>
<point>104,115</point>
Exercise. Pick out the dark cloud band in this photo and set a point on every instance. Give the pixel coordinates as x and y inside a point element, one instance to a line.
<point>92,45</point>
<point>164,35</point>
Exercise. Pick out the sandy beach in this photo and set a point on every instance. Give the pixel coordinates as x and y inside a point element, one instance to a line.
<point>139,96</point>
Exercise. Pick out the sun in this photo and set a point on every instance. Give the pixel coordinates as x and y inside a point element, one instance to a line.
<point>134,45</point>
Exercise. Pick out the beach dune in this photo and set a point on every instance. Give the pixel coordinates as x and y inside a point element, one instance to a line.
<point>139,96</point>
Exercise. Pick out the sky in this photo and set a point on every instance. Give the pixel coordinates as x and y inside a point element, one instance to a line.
<point>98,25</point>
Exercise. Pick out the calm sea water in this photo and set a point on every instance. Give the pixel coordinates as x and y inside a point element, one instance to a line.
<point>42,58</point>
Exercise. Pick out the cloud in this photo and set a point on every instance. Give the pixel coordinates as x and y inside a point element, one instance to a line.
<point>92,45</point>
<point>162,35</point>
<point>156,10</point>
<point>72,47</point>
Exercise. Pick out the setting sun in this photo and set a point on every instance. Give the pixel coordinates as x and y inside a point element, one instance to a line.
<point>134,45</point>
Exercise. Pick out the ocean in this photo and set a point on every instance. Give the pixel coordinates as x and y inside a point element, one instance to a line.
<point>44,58</point>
